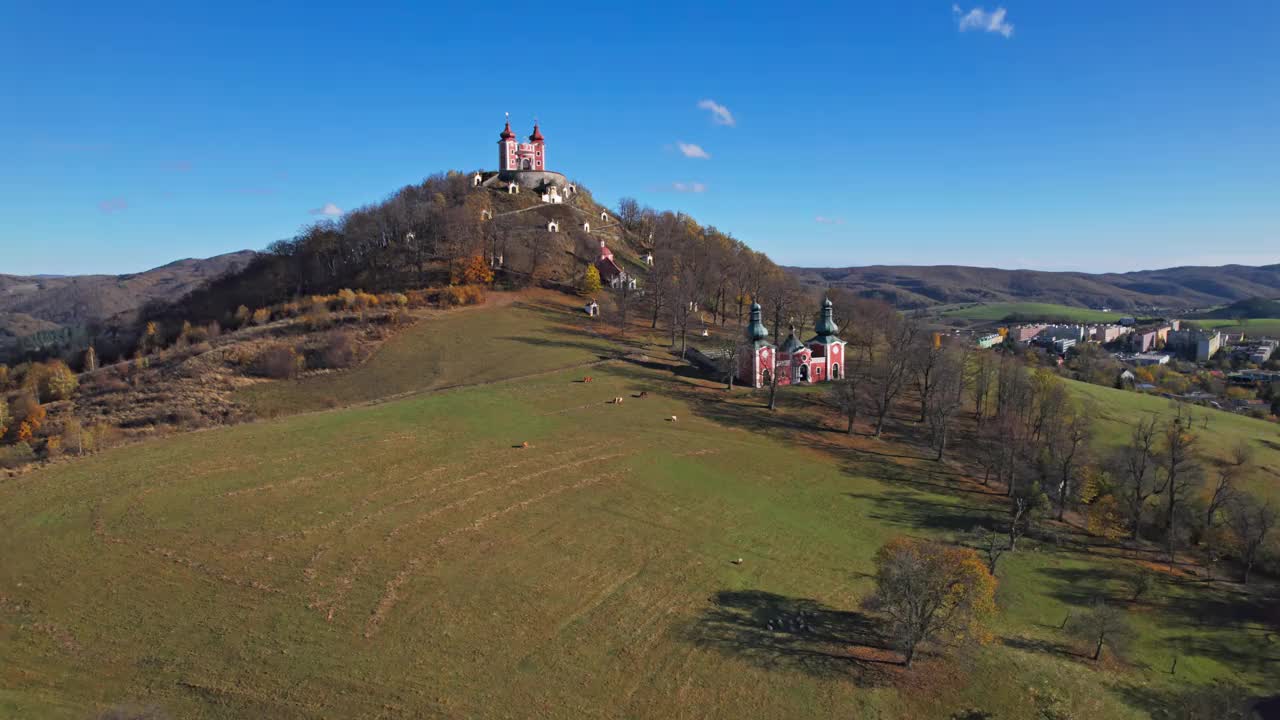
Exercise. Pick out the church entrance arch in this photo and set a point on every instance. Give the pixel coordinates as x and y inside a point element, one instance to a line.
<point>804,373</point>
<point>835,371</point>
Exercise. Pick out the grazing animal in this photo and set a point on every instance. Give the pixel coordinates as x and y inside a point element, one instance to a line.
<point>644,393</point>
<point>736,562</point>
<point>524,444</point>
<point>586,379</point>
<point>674,418</point>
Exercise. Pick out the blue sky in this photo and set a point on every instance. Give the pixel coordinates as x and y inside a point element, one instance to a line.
<point>1093,136</point>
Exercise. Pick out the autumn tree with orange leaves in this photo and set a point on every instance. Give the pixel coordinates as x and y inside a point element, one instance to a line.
<point>928,589</point>
<point>476,271</point>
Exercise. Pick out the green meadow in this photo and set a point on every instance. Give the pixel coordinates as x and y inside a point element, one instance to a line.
<point>995,312</point>
<point>1266,327</point>
<point>414,558</point>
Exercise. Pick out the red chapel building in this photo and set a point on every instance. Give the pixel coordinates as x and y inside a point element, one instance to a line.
<point>818,359</point>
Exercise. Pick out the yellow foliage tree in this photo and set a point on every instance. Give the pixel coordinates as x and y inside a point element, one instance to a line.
<point>591,281</point>
<point>929,589</point>
<point>261,316</point>
<point>477,271</point>
<point>241,316</point>
<point>90,359</point>
<point>59,382</point>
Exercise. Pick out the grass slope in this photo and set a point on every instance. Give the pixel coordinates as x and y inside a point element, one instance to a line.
<point>1265,327</point>
<point>993,312</point>
<point>533,333</point>
<point>405,560</point>
<point>1219,431</point>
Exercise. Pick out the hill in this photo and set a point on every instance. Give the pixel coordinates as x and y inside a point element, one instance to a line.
<point>1247,309</point>
<point>1171,288</point>
<point>31,304</point>
<point>412,558</point>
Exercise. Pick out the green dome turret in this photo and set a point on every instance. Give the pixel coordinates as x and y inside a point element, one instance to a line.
<point>756,331</point>
<point>826,327</point>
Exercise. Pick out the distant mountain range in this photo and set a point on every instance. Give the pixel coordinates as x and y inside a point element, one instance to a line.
<point>31,304</point>
<point>1183,288</point>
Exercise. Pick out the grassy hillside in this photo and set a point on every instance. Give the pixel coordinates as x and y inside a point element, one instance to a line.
<point>1220,431</point>
<point>410,559</point>
<point>1030,311</point>
<point>540,331</point>
<point>1267,327</point>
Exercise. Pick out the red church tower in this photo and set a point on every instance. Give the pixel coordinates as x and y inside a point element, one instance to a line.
<point>514,155</point>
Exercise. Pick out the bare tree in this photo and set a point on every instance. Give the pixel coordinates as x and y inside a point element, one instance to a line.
<point>1103,625</point>
<point>1251,522</point>
<point>947,390</point>
<point>889,369</point>
<point>926,355</point>
<point>1225,481</point>
<point>991,545</point>
<point>1135,471</point>
<point>844,395</point>
<point>984,377</point>
<point>1067,447</point>
<point>1178,470</point>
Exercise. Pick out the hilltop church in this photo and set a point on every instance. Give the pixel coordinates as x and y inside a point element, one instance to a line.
<point>523,166</point>
<point>818,359</point>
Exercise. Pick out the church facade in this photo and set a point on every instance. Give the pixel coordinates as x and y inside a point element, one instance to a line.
<point>818,359</point>
<point>516,156</point>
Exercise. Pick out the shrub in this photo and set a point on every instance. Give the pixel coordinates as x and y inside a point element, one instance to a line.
<point>5,419</point>
<point>318,317</point>
<point>346,298</point>
<point>241,316</point>
<point>27,416</point>
<point>16,455</point>
<point>279,362</point>
<point>340,350</point>
<point>461,295</point>
<point>417,298</point>
<point>261,316</point>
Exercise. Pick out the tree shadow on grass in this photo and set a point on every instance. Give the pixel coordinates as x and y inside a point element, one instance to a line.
<point>1223,700</point>
<point>1051,647</point>
<point>779,632</point>
<point>908,509</point>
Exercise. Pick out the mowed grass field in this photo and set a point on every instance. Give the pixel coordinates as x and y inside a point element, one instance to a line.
<point>1258,327</point>
<point>408,559</point>
<point>518,335</point>
<point>993,312</point>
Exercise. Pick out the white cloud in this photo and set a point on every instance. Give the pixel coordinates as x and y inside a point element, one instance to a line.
<point>979,19</point>
<point>689,187</point>
<point>328,210</point>
<point>690,150</point>
<point>824,220</point>
<point>113,205</point>
<point>720,114</point>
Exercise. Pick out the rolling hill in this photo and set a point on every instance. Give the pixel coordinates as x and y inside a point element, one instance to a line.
<point>41,303</point>
<point>1171,288</point>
